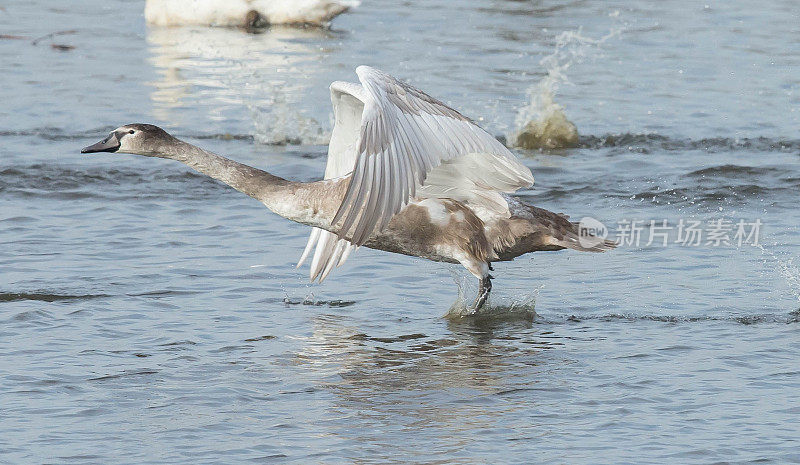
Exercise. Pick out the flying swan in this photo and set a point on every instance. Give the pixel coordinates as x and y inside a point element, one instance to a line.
<point>246,13</point>
<point>405,174</point>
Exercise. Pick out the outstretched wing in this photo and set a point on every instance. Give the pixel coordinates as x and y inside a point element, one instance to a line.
<point>329,250</point>
<point>404,134</point>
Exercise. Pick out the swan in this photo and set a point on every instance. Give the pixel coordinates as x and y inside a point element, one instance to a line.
<point>247,13</point>
<point>405,174</point>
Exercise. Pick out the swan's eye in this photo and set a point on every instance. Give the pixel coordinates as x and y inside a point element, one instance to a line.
<point>131,131</point>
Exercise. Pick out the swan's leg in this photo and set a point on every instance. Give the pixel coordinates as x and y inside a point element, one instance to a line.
<point>480,270</point>
<point>483,292</point>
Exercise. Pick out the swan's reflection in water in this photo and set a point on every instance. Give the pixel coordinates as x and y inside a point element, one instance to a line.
<point>217,80</point>
<point>446,387</point>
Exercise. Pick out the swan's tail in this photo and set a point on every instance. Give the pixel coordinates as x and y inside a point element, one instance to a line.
<point>583,241</point>
<point>575,244</point>
<point>577,236</point>
<point>555,231</point>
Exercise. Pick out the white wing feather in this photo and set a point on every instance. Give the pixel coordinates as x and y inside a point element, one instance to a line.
<point>400,143</point>
<point>405,134</point>
<point>329,251</point>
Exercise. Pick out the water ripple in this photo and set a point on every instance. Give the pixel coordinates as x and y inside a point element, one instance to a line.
<point>46,297</point>
<point>646,143</point>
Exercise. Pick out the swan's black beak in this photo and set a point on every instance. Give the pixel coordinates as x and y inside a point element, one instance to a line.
<point>109,144</point>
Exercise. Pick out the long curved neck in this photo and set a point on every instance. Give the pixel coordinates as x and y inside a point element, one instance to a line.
<point>311,203</point>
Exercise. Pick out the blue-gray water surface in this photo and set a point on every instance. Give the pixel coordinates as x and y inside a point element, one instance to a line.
<point>149,314</point>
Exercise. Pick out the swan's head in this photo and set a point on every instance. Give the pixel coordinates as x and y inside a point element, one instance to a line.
<point>254,22</point>
<point>138,139</point>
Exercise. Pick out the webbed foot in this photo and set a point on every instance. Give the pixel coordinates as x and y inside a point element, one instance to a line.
<point>483,292</point>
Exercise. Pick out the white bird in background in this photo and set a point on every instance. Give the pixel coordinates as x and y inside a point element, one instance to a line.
<point>247,13</point>
<point>405,174</point>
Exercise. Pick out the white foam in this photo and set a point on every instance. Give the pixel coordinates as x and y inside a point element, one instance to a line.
<point>500,305</point>
<point>281,122</point>
<point>542,123</point>
<point>786,269</point>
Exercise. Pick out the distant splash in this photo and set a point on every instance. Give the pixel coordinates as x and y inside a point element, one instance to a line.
<point>552,130</point>
<point>498,307</point>
<point>280,123</point>
<point>791,273</point>
<point>542,123</point>
<point>786,268</point>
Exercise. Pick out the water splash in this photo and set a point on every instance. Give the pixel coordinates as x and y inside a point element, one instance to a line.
<point>791,273</point>
<point>497,307</point>
<point>280,123</point>
<point>312,301</point>
<point>786,269</point>
<point>542,123</point>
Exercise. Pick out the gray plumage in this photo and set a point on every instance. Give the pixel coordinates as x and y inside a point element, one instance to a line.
<point>405,174</point>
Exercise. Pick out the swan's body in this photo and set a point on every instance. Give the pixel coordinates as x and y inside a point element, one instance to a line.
<point>243,12</point>
<point>405,174</point>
